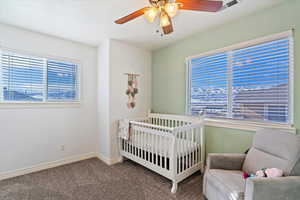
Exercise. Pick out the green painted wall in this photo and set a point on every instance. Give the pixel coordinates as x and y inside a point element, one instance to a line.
<point>168,70</point>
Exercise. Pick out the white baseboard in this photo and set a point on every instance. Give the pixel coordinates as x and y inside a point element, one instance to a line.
<point>110,161</point>
<point>47,165</point>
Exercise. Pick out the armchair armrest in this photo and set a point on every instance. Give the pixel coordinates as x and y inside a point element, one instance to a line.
<point>225,161</point>
<point>280,188</point>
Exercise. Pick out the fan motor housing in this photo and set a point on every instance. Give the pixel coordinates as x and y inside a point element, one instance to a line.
<point>158,3</point>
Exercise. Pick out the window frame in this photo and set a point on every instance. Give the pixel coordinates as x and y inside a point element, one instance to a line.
<point>45,102</point>
<point>238,123</point>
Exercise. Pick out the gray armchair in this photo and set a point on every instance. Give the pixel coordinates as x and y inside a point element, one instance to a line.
<point>223,178</point>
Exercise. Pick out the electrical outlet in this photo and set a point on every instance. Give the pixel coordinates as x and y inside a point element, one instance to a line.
<point>62,147</point>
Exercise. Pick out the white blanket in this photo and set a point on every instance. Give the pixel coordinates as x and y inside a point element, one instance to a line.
<point>124,129</point>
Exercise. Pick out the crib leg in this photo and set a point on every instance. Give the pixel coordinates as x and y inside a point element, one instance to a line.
<point>174,187</point>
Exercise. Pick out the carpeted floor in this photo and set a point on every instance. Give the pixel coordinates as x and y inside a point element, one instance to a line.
<point>93,180</point>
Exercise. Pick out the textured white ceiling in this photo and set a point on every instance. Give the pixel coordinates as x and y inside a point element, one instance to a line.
<point>90,21</point>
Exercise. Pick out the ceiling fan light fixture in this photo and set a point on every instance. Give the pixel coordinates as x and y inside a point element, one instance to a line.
<point>164,20</point>
<point>165,10</point>
<point>151,13</point>
<point>171,9</point>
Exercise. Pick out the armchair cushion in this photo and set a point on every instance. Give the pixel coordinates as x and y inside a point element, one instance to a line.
<point>225,161</point>
<point>273,148</point>
<point>224,184</point>
<point>281,188</point>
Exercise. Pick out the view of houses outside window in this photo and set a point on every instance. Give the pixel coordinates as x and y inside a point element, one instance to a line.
<point>251,83</point>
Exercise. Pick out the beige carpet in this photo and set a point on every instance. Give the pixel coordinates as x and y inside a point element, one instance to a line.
<point>93,180</point>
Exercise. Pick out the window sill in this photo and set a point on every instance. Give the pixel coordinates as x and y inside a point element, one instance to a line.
<point>246,125</point>
<point>12,105</point>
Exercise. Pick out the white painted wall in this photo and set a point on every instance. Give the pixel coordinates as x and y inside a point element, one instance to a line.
<point>103,107</point>
<point>123,58</point>
<point>33,134</point>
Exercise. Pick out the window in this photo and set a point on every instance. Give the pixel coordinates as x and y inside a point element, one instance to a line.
<point>249,81</point>
<point>26,78</point>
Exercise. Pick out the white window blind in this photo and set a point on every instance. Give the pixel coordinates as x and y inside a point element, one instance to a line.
<point>62,81</point>
<point>25,78</point>
<point>247,83</point>
<point>22,77</point>
<point>209,80</point>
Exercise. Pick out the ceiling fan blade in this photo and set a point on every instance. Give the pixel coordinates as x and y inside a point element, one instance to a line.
<point>131,16</point>
<point>201,5</point>
<point>168,29</point>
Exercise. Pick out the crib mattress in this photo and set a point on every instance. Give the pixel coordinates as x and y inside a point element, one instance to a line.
<point>164,145</point>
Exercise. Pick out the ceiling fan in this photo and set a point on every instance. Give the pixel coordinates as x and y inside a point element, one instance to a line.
<point>167,9</point>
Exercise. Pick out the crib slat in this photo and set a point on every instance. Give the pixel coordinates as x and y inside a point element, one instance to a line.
<point>179,151</point>
<point>198,144</point>
<point>182,151</point>
<point>143,145</point>
<point>196,148</point>
<point>145,136</point>
<point>135,143</point>
<point>166,151</point>
<point>148,147</point>
<point>152,147</point>
<point>189,148</point>
<point>138,143</point>
<point>156,149</point>
<point>186,150</point>
<point>126,145</point>
<point>193,149</point>
<point>202,153</point>
<point>123,144</point>
<point>161,150</point>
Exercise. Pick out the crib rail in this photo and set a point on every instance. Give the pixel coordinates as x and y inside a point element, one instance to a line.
<point>152,125</point>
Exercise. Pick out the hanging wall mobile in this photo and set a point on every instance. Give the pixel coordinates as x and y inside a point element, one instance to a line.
<point>132,90</point>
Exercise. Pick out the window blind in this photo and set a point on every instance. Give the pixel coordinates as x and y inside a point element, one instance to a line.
<point>22,77</point>
<point>62,81</point>
<point>209,79</point>
<point>25,78</point>
<point>261,82</point>
<point>245,83</point>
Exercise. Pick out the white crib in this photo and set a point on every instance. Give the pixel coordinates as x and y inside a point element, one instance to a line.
<point>171,145</point>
